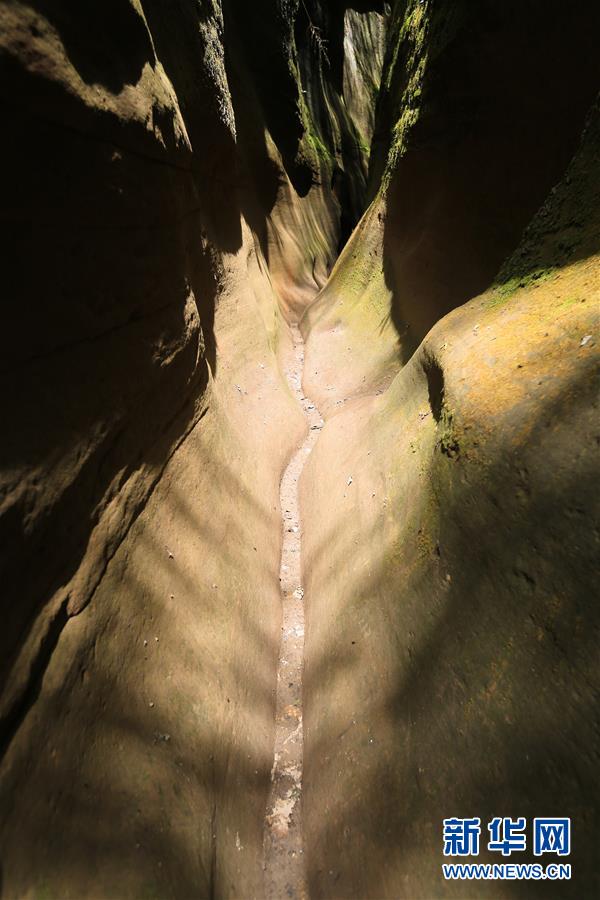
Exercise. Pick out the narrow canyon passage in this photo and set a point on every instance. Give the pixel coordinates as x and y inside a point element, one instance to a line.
<point>284,851</point>
<point>298,537</point>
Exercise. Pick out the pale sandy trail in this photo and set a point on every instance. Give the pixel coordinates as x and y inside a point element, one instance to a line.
<point>284,857</point>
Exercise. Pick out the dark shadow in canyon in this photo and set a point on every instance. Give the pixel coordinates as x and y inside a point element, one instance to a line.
<point>83,384</point>
<point>185,50</point>
<point>258,176</point>
<point>499,122</point>
<point>108,42</point>
<point>322,70</point>
<point>264,38</point>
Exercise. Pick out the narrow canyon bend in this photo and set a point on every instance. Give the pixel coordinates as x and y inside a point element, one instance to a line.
<point>299,531</point>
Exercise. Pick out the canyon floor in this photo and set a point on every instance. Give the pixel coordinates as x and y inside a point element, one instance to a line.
<point>284,847</point>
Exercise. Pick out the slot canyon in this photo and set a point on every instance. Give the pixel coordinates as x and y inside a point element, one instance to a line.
<point>299,481</point>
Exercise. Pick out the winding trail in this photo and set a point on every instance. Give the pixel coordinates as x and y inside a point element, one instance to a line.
<point>284,857</point>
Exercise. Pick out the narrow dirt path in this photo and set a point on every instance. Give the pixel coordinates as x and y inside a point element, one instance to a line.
<point>284,857</point>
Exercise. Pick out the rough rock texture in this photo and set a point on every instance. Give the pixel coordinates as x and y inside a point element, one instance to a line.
<point>449,509</point>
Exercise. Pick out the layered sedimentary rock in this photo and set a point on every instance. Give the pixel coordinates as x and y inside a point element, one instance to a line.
<point>451,520</point>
